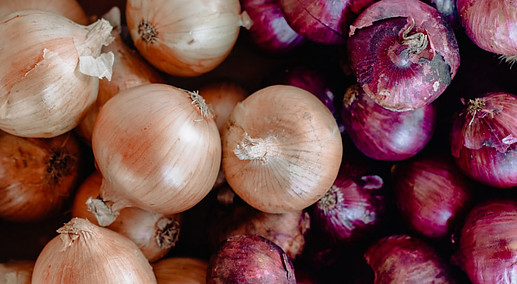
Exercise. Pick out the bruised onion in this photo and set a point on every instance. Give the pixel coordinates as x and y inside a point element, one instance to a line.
<point>250,259</point>
<point>487,243</point>
<point>269,30</point>
<point>403,53</point>
<point>68,8</point>
<point>483,139</point>
<point>180,270</point>
<point>157,148</point>
<point>384,134</point>
<point>86,253</point>
<point>432,194</point>
<point>38,175</point>
<point>281,149</point>
<point>407,259</point>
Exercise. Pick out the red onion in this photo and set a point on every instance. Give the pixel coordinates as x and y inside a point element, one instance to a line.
<point>483,139</point>
<point>250,259</point>
<point>490,24</point>
<point>407,259</point>
<point>488,242</point>
<point>403,53</point>
<point>322,21</point>
<point>270,31</point>
<point>383,134</point>
<point>432,194</point>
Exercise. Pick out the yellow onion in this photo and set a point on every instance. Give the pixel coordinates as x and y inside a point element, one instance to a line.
<point>86,253</point>
<point>50,71</point>
<point>184,37</point>
<point>68,8</point>
<point>181,270</point>
<point>157,148</point>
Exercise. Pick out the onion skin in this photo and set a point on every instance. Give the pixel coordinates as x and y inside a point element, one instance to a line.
<point>68,8</point>
<point>489,24</point>
<point>270,31</point>
<point>432,194</point>
<point>38,175</point>
<point>487,250</point>
<point>302,145</point>
<point>249,259</point>
<point>383,134</point>
<point>180,270</point>
<point>483,139</point>
<point>406,259</point>
<point>395,69</point>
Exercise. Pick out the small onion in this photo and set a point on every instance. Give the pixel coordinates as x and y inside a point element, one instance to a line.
<point>157,148</point>
<point>281,149</point>
<point>487,243</point>
<point>16,272</point>
<point>270,31</point>
<point>403,53</point>
<point>180,270</point>
<point>68,8</point>
<point>86,253</point>
<point>483,139</point>
<point>383,134</point>
<point>244,259</point>
<point>407,259</point>
<point>184,38</point>
<point>154,234</point>
<point>38,175</point>
<point>432,194</point>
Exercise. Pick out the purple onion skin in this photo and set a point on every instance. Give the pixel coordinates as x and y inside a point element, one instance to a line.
<point>270,31</point>
<point>397,71</point>
<point>322,21</point>
<point>484,139</point>
<point>250,259</point>
<point>432,194</point>
<point>488,242</point>
<point>407,259</point>
<point>383,134</point>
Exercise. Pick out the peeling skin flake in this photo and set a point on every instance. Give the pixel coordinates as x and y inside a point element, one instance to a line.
<point>97,66</point>
<point>510,139</point>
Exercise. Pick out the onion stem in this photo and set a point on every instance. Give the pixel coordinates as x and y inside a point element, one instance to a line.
<point>253,148</point>
<point>417,42</point>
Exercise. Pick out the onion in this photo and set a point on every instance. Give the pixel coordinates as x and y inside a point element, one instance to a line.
<point>383,134</point>
<point>407,259</point>
<point>68,8</point>
<point>153,233</point>
<point>184,38</point>
<point>249,259</point>
<point>487,250</point>
<point>490,24</point>
<point>269,30</point>
<point>287,230</point>
<point>180,270</point>
<point>281,149</point>
<point>38,175</point>
<point>157,148</point>
<point>16,272</point>
<point>448,10</point>
<point>403,53</point>
<point>322,21</point>
<point>483,137</point>
<point>86,253</point>
<point>432,194</point>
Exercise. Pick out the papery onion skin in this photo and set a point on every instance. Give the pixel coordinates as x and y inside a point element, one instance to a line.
<point>384,134</point>
<point>43,90</point>
<point>432,194</point>
<point>322,21</point>
<point>487,250</point>
<point>180,270</point>
<point>68,8</point>
<point>86,253</point>
<point>270,31</point>
<point>483,139</point>
<point>184,38</point>
<point>281,149</point>
<point>249,259</point>
<point>38,175</point>
<point>403,53</point>
<point>407,259</point>
<point>157,148</point>
<point>490,24</point>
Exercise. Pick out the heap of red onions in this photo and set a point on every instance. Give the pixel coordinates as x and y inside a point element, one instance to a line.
<point>403,53</point>
<point>383,134</point>
<point>483,139</point>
